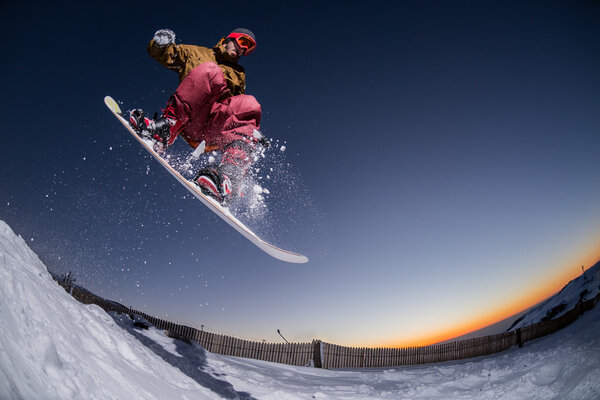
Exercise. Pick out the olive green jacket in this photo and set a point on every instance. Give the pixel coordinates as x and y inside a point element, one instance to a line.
<point>182,58</point>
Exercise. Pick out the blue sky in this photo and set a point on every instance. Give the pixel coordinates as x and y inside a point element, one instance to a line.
<point>441,163</point>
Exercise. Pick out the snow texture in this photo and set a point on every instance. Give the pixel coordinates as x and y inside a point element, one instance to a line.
<point>53,347</point>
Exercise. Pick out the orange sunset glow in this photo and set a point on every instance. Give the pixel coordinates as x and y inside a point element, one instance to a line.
<point>527,300</point>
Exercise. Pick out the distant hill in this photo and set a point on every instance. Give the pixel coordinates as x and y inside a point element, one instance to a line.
<point>582,288</point>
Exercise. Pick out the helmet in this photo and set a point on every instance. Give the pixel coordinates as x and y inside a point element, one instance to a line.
<point>245,39</point>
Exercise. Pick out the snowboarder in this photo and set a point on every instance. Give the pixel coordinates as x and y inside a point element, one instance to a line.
<point>209,108</point>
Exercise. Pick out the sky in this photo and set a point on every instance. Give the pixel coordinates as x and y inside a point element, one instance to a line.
<point>440,157</point>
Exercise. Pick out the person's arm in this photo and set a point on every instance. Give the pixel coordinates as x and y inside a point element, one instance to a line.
<point>163,49</point>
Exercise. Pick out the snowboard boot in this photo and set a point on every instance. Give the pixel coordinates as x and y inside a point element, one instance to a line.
<point>163,129</point>
<point>224,182</point>
<point>214,184</point>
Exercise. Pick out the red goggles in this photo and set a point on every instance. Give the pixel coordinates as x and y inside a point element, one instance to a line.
<point>246,43</point>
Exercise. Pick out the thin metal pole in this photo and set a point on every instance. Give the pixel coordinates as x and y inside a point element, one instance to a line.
<point>282,336</point>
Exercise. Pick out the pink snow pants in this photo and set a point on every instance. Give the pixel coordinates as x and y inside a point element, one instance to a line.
<point>203,117</point>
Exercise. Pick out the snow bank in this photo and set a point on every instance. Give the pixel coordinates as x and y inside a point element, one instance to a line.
<point>53,347</point>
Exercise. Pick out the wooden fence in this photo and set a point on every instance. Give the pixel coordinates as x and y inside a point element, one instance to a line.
<point>300,354</point>
<point>334,356</point>
<point>326,355</point>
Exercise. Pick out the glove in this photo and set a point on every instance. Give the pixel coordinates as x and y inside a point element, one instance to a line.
<point>164,37</point>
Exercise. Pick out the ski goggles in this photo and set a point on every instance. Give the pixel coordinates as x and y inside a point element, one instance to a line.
<point>246,43</point>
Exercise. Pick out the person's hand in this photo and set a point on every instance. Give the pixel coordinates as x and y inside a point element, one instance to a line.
<point>164,37</point>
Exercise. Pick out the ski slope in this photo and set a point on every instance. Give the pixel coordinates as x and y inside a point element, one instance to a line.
<point>53,347</point>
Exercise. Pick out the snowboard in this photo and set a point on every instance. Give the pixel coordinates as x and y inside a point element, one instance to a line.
<point>212,204</point>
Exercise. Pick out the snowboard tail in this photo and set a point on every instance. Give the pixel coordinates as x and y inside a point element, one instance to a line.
<point>212,204</point>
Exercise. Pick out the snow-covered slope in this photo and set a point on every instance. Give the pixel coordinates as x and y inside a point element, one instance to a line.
<point>582,288</point>
<point>52,347</point>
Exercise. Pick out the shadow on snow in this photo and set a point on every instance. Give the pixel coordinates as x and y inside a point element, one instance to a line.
<point>192,359</point>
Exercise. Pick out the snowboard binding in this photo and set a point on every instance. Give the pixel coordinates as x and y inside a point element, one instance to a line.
<point>157,129</point>
<point>214,184</point>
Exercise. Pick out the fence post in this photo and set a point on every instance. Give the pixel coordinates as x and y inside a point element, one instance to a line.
<point>519,339</point>
<point>317,354</point>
